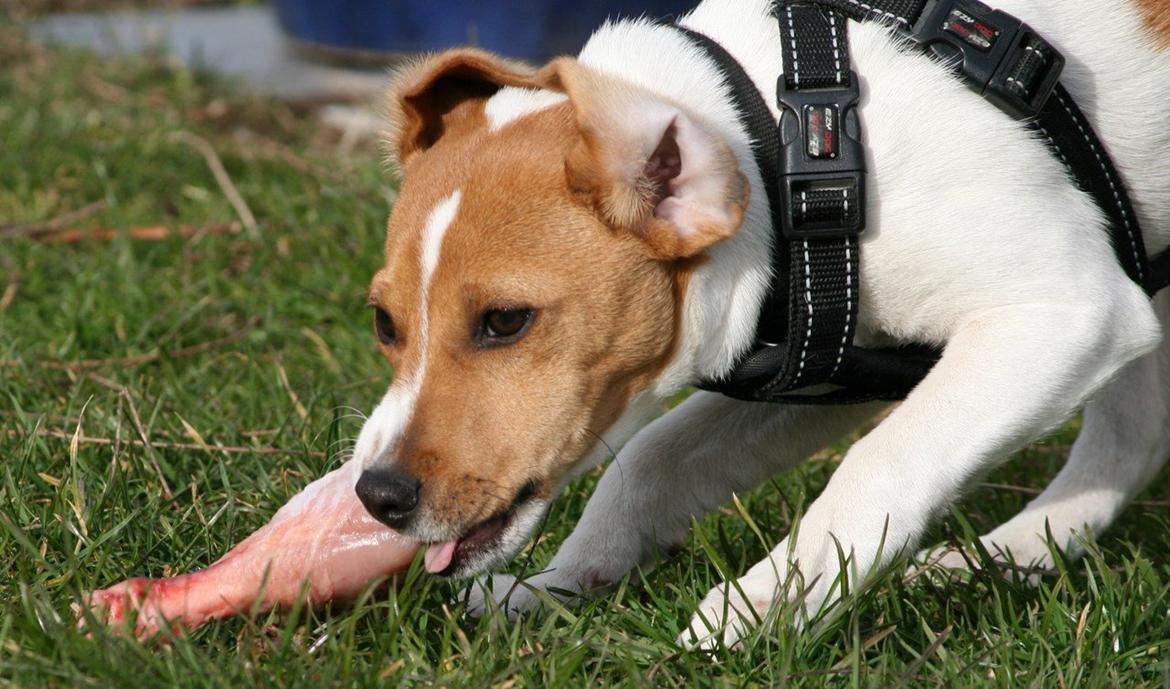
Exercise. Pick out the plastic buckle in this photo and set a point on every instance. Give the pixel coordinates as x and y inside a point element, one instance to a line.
<point>821,150</point>
<point>1001,57</point>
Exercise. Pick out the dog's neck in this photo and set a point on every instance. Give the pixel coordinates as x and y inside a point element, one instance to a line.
<point>723,297</point>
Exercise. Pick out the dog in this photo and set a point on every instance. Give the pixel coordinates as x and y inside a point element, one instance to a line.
<point>576,244</point>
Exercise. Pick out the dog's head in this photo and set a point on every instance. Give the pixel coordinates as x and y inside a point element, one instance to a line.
<point>535,268</point>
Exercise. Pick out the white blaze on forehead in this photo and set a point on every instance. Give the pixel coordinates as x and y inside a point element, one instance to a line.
<point>511,103</point>
<point>434,231</point>
<point>390,417</point>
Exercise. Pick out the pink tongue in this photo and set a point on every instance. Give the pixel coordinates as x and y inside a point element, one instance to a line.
<point>438,556</point>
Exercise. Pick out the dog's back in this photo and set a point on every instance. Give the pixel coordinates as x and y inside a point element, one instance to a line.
<point>1118,70</point>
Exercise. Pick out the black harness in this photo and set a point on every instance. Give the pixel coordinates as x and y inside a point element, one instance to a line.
<point>812,164</point>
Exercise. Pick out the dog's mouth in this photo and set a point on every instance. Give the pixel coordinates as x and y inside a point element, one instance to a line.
<point>481,542</point>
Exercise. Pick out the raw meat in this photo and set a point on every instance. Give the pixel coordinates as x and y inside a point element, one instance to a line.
<point>322,537</point>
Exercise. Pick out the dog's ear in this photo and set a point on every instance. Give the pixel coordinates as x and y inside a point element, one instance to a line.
<point>648,166</point>
<point>430,96</point>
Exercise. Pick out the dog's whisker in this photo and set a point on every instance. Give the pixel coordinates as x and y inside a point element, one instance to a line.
<point>600,439</point>
<point>345,442</point>
<point>354,412</point>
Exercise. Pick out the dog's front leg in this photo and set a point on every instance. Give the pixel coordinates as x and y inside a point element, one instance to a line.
<point>680,466</point>
<point>1007,376</point>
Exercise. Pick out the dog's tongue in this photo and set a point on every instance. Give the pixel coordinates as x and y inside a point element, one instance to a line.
<point>438,556</point>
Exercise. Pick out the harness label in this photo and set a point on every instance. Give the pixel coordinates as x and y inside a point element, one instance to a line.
<point>971,29</point>
<point>821,123</point>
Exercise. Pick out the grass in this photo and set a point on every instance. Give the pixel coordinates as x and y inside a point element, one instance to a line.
<point>260,340</point>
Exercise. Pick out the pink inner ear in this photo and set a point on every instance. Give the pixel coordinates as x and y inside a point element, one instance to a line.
<point>664,164</point>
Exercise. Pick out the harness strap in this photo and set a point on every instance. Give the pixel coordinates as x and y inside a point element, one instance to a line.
<point>1017,70</point>
<point>804,344</point>
<point>901,13</point>
<point>813,169</point>
<point>824,187</point>
<point>1160,273</point>
<point>1073,141</point>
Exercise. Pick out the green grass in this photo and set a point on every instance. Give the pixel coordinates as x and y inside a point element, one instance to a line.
<point>292,355</point>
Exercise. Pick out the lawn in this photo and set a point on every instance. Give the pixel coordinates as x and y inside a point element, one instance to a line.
<point>172,373</point>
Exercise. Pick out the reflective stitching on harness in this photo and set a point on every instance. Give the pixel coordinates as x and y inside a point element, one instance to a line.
<point>808,300</point>
<point>1054,147</point>
<point>836,47</point>
<point>880,13</point>
<point>792,38</point>
<point>1112,187</point>
<point>848,293</point>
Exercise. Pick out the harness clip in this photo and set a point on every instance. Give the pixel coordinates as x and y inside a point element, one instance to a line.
<point>822,161</point>
<point>1000,56</point>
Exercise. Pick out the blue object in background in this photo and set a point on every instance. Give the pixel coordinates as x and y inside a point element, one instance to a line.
<point>531,29</point>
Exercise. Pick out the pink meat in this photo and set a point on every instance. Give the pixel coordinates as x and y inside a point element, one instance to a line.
<point>323,538</point>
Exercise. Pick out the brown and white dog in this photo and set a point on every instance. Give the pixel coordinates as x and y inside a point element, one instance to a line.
<point>575,245</point>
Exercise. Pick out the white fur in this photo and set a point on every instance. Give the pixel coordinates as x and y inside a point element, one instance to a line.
<point>515,534</point>
<point>438,222</point>
<point>512,103</point>
<point>978,240</point>
<point>1124,441</point>
<point>386,423</point>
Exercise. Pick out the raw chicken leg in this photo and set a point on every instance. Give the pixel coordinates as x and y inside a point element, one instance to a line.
<point>323,536</point>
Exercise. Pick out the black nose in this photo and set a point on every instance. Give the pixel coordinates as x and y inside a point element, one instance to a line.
<point>389,495</point>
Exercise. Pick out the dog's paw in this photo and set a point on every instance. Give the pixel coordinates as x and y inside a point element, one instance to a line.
<point>941,562</point>
<point>507,594</point>
<point>479,592</point>
<point>498,589</point>
<point>950,563</point>
<point>953,560</point>
<point>725,616</point>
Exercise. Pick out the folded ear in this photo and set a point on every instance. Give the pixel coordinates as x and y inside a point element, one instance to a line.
<point>430,96</point>
<point>648,166</point>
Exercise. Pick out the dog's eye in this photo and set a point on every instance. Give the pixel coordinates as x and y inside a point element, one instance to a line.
<point>505,326</point>
<point>384,326</point>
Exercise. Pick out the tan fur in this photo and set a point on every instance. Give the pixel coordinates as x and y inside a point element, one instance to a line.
<point>1157,17</point>
<point>422,95</point>
<point>528,232</point>
<point>488,421</point>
